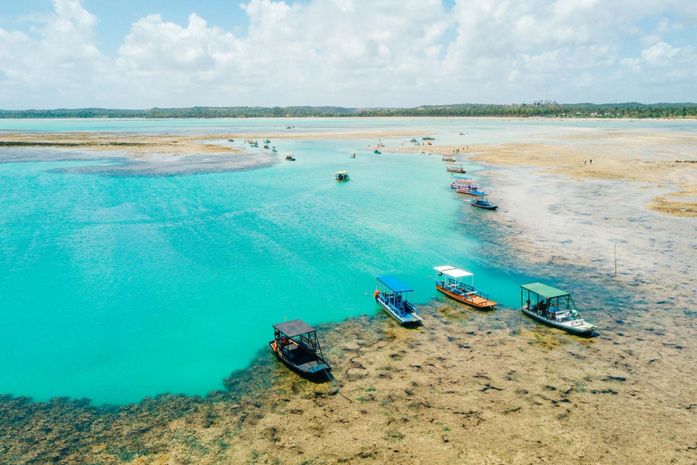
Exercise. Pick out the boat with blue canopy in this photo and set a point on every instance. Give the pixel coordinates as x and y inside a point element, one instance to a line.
<point>295,343</point>
<point>451,282</point>
<point>391,294</point>
<point>482,201</point>
<point>553,307</point>
<point>470,189</point>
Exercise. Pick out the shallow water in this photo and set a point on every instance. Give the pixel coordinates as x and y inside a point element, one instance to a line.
<point>119,287</point>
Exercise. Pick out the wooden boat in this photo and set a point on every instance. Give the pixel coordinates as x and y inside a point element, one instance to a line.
<point>377,152</point>
<point>341,176</point>
<point>456,168</point>
<point>295,343</point>
<point>450,282</point>
<point>448,158</point>
<point>290,157</point>
<point>428,138</point>
<point>482,201</point>
<point>391,294</point>
<point>470,190</point>
<point>553,307</point>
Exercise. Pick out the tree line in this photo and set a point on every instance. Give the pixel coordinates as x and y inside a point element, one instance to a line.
<point>536,109</point>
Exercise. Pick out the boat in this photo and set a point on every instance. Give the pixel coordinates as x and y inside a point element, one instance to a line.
<point>266,146</point>
<point>461,183</point>
<point>290,157</point>
<point>341,176</point>
<point>267,141</point>
<point>450,282</point>
<point>391,294</point>
<point>482,201</point>
<point>470,189</point>
<point>428,138</point>
<point>452,168</point>
<point>377,152</point>
<point>448,158</point>
<point>273,149</point>
<point>295,343</point>
<point>553,307</point>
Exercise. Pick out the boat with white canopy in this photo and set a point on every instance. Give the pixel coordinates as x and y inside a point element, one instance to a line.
<point>451,282</point>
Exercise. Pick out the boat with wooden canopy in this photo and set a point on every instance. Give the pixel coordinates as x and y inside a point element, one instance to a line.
<point>391,294</point>
<point>295,343</point>
<point>450,282</point>
<point>553,307</point>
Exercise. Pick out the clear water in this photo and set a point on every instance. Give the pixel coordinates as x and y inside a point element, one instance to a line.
<point>116,288</point>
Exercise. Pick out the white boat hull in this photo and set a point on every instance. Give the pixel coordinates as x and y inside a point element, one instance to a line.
<point>402,319</point>
<point>578,327</point>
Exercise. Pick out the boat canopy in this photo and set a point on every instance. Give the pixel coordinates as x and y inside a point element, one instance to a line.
<point>294,328</point>
<point>452,272</point>
<point>395,284</point>
<point>543,290</point>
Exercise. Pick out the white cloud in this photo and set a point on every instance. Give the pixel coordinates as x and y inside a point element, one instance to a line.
<point>357,52</point>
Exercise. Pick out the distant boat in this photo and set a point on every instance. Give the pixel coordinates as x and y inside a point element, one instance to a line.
<point>428,138</point>
<point>482,201</point>
<point>470,190</point>
<point>448,158</point>
<point>341,176</point>
<point>553,307</point>
<point>450,282</point>
<point>391,294</point>
<point>295,343</point>
<point>273,149</point>
<point>290,157</point>
<point>377,152</point>
<point>452,168</point>
<point>461,183</point>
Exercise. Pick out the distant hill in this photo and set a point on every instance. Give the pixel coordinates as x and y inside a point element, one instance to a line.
<point>536,109</point>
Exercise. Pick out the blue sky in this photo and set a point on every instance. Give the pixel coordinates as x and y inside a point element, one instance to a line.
<point>142,53</point>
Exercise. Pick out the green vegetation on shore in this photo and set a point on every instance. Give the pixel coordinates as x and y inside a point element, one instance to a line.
<point>536,109</point>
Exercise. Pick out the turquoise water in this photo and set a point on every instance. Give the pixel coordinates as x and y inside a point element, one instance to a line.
<point>120,287</point>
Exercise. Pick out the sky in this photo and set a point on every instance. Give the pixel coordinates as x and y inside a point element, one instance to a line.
<point>356,53</point>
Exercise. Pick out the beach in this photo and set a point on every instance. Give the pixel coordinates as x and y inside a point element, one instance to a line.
<point>468,386</point>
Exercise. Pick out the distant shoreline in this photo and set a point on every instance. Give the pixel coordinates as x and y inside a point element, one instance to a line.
<point>544,109</point>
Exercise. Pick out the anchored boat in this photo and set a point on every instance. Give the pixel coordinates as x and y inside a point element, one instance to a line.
<point>341,176</point>
<point>391,294</point>
<point>482,201</point>
<point>553,307</point>
<point>452,168</point>
<point>450,282</point>
<point>461,183</point>
<point>295,343</point>
<point>470,189</point>
<point>290,157</point>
